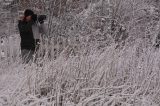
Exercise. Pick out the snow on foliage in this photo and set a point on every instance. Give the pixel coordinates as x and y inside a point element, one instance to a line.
<point>99,53</point>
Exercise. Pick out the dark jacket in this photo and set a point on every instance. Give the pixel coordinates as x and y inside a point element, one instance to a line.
<point>26,34</point>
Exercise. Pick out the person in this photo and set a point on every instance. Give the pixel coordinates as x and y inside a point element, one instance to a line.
<point>29,30</point>
<point>157,42</point>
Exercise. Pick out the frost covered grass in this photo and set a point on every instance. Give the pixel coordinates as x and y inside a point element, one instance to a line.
<point>95,58</point>
<point>127,77</point>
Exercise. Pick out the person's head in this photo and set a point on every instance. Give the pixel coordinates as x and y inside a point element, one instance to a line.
<point>28,15</point>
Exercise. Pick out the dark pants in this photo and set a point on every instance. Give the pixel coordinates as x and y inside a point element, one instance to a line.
<point>27,55</point>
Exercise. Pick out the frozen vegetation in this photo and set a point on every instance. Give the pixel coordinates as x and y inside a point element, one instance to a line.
<point>98,53</point>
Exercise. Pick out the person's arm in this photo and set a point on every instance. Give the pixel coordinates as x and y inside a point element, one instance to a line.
<point>20,20</point>
<point>24,27</point>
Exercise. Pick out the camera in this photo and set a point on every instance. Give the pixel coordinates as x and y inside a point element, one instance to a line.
<point>39,18</point>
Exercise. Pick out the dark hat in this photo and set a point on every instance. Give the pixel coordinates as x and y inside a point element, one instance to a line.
<point>28,12</point>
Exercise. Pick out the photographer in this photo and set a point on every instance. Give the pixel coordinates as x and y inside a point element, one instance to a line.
<point>31,27</point>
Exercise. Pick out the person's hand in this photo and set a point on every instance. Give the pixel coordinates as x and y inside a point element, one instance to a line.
<point>41,19</point>
<point>21,18</point>
<point>41,22</point>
